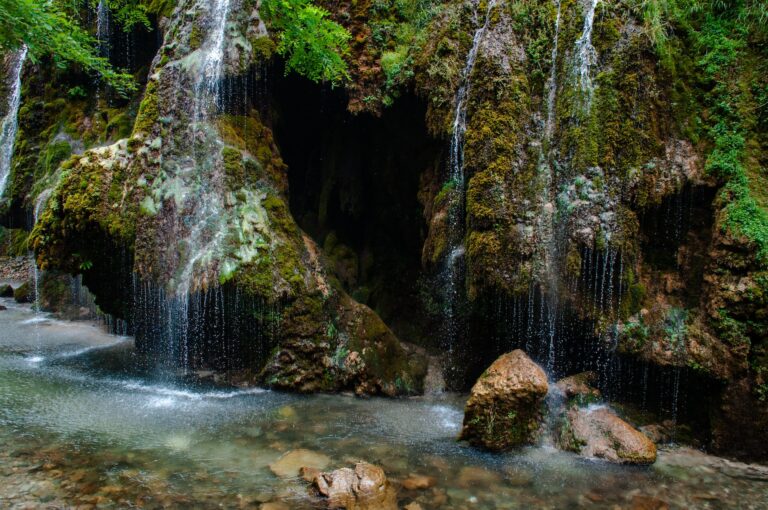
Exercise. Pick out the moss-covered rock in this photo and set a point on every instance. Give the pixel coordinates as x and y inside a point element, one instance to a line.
<point>504,409</point>
<point>24,293</point>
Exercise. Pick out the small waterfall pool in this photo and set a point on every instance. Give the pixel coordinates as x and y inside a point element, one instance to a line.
<point>84,421</point>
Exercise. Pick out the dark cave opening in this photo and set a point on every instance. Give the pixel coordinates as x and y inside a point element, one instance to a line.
<point>680,220</point>
<point>354,185</point>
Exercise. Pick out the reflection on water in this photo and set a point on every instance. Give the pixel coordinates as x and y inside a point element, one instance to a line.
<point>84,420</point>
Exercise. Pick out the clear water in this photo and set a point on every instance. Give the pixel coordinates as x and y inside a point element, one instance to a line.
<point>85,420</point>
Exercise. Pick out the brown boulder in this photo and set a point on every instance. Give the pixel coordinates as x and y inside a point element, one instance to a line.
<point>579,386</point>
<point>597,432</point>
<point>363,488</point>
<point>504,409</point>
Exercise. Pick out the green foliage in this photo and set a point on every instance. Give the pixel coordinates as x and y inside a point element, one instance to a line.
<point>675,326</point>
<point>731,330</point>
<point>313,45</point>
<point>635,334</point>
<point>127,13</point>
<point>49,29</point>
<point>398,30</point>
<point>720,35</point>
<point>77,92</point>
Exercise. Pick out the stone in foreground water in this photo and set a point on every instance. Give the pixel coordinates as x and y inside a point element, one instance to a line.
<point>504,409</point>
<point>597,432</point>
<point>363,488</point>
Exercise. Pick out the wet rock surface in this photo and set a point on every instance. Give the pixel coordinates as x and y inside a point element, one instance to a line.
<point>597,432</point>
<point>363,488</point>
<point>504,409</point>
<point>295,462</point>
<point>580,386</point>
<point>24,293</point>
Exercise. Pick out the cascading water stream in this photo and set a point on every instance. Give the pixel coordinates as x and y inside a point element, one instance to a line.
<point>40,202</point>
<point>553,223</point>
<point>548,218</point>
<point>10,121</point>
<point>206,103</point>
<point>102,28</point>
<point>202,215</point>
<point>586,56</point>
<point>455,250</point>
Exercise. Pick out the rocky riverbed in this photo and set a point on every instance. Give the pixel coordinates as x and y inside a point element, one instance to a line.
<point>86,423</point>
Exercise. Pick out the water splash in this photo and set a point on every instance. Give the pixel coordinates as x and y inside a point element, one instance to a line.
<point>586,56</point>
<point>10,121</point>
<point>451,271</point>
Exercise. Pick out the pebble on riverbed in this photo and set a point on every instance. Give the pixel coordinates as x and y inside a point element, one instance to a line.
<point>363,488</point>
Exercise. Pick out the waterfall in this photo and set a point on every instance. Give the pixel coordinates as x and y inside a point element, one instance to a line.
<point>586,56</point>
<point>552,81</point>
<point>40,202</point>
<point>10,121</point>
<point>455,230</point>
<point>102,28</point>
<point>208,77</point>
<point>548,218</point>
<point>462,96</point>
<point>207,214</point>
<point>202,216</point>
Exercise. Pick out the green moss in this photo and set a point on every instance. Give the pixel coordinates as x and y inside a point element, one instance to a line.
<point>160,7</point>
<point>119,126</point>
<point>234,170</point>
<point>635,335</point>
<point>14,242</point>
<point>732,331</point>
<point>52,156</point>
<point>148,110</point>
<point>196,36</point>
<point>263,46</point>
<point>24,293</point>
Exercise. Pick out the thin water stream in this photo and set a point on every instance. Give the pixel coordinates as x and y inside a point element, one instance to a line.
<point>85,420</point>
<point>9,124</point>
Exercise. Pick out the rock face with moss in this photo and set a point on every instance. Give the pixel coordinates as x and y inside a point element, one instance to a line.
<point>613,168</point>
<point>504,409</point>
<point>196,199</point>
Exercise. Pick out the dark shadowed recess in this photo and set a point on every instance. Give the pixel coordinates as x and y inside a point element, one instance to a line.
<point>354,187</point>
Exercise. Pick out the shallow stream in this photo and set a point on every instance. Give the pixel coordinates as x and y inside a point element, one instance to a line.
<point>85,422</point>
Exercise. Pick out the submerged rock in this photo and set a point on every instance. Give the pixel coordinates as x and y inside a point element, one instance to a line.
<point>419,482</point>
<point>291,464</point>
<point>504,409</point>
<point>363,488</point>
<point>597,432</point>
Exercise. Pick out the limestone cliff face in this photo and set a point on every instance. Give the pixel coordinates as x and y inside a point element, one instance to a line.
<point>587,197</point>
<point>196,199</point>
